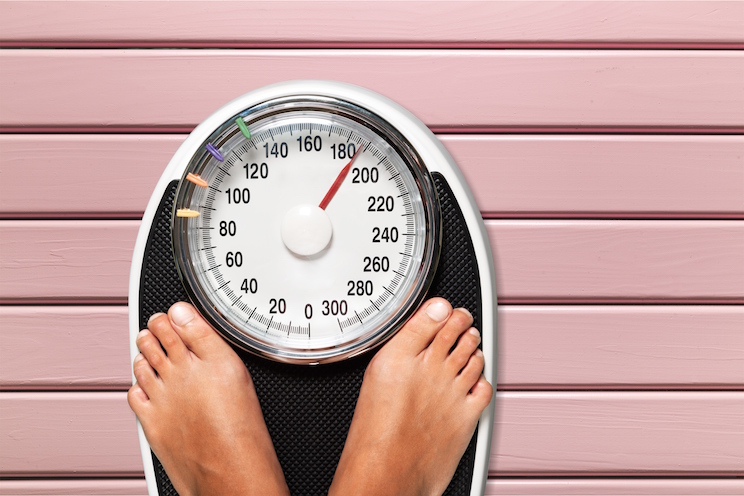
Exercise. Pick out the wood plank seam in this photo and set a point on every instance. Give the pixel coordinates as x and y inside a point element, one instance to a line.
<point>681,45</point>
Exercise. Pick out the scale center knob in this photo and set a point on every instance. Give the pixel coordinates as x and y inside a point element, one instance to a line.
<point>306,229</point>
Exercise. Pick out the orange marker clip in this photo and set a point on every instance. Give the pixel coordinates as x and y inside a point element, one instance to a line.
<point>194,178</point>
<point>186,212</point>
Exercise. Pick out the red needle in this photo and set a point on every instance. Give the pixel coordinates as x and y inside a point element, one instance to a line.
<point>337,183</point>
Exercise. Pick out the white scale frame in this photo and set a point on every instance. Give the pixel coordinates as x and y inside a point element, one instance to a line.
<point>432,153</point>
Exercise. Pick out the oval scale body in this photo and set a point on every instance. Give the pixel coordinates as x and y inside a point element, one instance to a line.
<point>306,229</point>
<point>307,221</point>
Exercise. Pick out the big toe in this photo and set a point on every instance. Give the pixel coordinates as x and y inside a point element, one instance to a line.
<point>420,330</point>
<point>195,332</point>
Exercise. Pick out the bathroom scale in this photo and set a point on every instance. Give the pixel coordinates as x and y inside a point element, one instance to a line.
<point>307,221</point>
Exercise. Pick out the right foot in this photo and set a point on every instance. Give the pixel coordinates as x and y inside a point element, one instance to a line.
<point>199,410</point>
<point>418,408</point>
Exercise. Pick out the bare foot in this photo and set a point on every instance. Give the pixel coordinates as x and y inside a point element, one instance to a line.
<point>198,407</point>
<point>417,409</point>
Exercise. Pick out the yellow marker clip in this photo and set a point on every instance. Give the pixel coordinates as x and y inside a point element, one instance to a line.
<point>194,178</point>
<point>186,212</point>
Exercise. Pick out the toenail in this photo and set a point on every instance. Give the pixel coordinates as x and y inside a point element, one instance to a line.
<point>466,312</point>
<point>154,316</point>
<point>438,311</point>
<point>478,353</point>
<point>138,358</point>
<point>475,332</point>
<point>181,314</point>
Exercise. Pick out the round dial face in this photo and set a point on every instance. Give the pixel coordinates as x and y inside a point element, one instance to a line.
<point>306,229</point>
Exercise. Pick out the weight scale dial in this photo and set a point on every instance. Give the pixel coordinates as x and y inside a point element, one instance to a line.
<point>306,229</point>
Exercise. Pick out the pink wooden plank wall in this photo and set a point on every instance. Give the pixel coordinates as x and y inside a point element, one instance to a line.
<point>604,141</point>
<point>511,175</point>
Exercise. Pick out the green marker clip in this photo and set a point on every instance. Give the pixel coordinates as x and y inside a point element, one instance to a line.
<point>243,128</point>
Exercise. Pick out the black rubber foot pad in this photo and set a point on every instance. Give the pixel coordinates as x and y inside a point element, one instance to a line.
<point>308,410</point>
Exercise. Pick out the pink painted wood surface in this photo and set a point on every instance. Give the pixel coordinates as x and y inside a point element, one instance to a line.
<point>604,261</point>
<point>447,89</point>
<point>61,347</point>
<point>504,487</point>
<point>590,433</point>
<point>75,259</point>
<point>540,434</point>
<point>576,347</point>
<point>618,433</point>
<point>563,175</point>
<point>370,23</point>
<point>59,487</point>
<point>539,347</point>
<point>536,261</point>
<point>84,175</point>
<point>517,175</point>
<point>68,433</point>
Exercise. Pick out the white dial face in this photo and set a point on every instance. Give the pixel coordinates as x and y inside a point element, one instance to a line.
<point>304,233</point>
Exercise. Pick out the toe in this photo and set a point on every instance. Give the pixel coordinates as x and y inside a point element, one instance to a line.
<point>419,331</point>
<point>145,375</point>
<point>160,326</point>
<point>471,372</point>
<point>460,321</point>
<point>137,400</point>
<point>150,348</point>
<point>466,345</point>
<point>195,332</point>
<point>481,393</point>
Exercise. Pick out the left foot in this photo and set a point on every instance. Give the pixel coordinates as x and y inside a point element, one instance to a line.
<point>198,407</point>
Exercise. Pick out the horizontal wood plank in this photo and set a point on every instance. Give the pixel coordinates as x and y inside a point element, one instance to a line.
<point>618,433</point>
<point>536,261</point>
<point>585,176</point>
<point>484,89</point>
<point>78,434</point>
<point>539,347</point>
<point>84,174</point>
<point>589,433</point>
<point>503,487</point>
<point>322,23</point>
<point>511,176</point>
<point>75,259</point>
<point>61,347</point>
<point>60,487</point>
<point>609,347</point>
<point>604,261</point>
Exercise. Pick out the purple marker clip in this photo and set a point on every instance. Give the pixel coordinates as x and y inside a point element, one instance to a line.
<point>215,152</point>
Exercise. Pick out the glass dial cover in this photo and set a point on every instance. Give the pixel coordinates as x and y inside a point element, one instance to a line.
<point>306,229</point>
